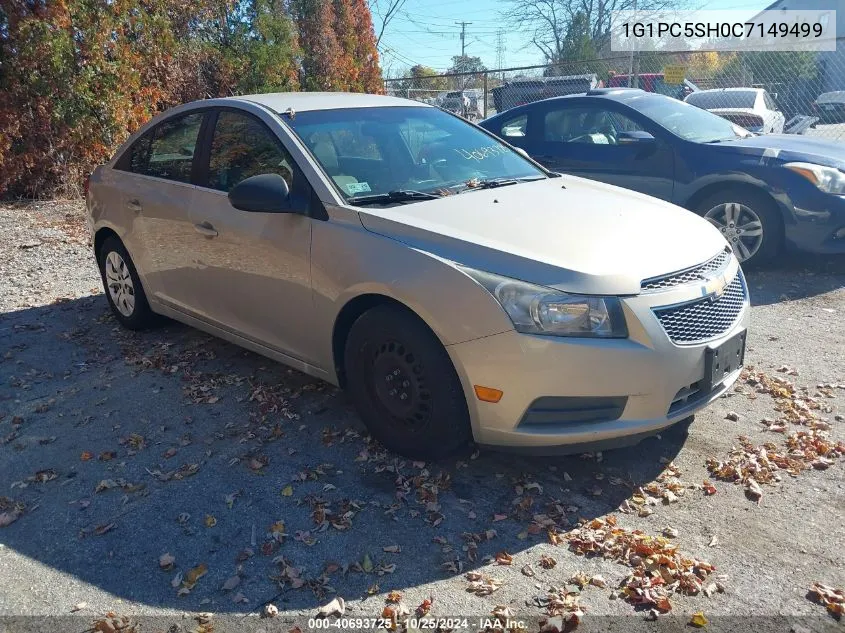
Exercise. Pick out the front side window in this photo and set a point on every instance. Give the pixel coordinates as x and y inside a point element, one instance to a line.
<point>172,149</point>
<point>596,126</point>
<point>242,146</point>
<point>408,148</point>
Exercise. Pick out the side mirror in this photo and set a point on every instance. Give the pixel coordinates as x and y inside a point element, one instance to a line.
<point>264,193</point>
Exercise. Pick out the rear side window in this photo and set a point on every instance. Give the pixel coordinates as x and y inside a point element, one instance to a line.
<point>242,146</point>
<point>172,149</point>
<point>135,158</point>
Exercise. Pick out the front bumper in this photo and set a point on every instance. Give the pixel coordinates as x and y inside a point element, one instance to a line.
<point>816,221</point>
<point>567,393</point>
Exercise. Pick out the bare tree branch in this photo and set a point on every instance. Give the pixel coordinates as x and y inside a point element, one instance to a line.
<point>386,10</point>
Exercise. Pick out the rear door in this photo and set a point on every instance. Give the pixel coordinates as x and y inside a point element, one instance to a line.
<point>156,189</point>
<point>585,138</point>
<point>251,272</point>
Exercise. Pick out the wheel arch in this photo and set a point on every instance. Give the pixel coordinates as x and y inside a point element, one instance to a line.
<point>711,188</point>
<point>100,237</point>
<point>347,316</point>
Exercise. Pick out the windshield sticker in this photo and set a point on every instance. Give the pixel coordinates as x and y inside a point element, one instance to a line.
<point>356,187</point>
<point>480,153</point>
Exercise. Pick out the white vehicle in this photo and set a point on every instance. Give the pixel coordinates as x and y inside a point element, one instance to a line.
<point>751,108</point>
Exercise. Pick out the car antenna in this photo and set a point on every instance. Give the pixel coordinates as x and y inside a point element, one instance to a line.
<point>290,113</point>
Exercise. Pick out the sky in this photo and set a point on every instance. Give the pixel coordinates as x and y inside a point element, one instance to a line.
<point>425,32</point>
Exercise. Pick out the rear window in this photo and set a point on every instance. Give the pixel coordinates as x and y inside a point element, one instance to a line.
<point>726,99</point>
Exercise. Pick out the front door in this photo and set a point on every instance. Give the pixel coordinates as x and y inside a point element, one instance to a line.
<point>251,271</point>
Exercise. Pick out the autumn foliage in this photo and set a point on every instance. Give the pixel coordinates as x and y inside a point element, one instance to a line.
<point>78,76</point>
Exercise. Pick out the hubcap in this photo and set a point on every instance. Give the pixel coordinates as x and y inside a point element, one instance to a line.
<point>119,283</point>
<point>399,384</point>
<point>740,225</point>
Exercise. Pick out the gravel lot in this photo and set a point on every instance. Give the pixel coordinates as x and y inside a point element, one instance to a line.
<point>117,448</point>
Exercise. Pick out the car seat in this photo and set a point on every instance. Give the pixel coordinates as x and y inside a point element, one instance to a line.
<point>324,151</point>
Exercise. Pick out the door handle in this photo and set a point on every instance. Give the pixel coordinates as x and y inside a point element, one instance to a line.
<point>206,229</point>
<point>133,205</point>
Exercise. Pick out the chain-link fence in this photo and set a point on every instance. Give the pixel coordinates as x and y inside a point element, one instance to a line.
<point>765,92</point>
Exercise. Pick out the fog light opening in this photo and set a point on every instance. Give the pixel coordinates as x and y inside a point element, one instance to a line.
<point>488,394</point>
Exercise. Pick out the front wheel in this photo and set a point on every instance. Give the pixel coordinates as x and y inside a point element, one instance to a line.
<point>749,222</point>
<point>404,385</point>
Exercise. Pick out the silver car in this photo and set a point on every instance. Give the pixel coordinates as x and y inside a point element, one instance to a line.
<point>454,287</point>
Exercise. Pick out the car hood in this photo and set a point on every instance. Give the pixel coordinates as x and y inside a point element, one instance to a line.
<point>791,147</point>
<point>573,234</point>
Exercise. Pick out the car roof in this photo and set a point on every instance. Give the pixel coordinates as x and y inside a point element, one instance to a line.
<point>304,101</point>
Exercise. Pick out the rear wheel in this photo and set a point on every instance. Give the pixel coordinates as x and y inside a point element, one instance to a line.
<point>124,291</point>
<point>404,385</point>
<point>749,222</point>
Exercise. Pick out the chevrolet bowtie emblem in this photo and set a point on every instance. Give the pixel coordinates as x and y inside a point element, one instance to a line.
<point>714,287</point>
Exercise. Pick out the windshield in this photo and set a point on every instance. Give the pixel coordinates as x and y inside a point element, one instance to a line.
<point>370,151</point>
<point>687,121</point>
<point>723,99</point>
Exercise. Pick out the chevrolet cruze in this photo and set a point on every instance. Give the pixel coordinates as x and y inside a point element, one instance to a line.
<point>455,288</point>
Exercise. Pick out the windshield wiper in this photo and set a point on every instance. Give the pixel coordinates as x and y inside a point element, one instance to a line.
<point>492,183</point>
<point>400,195</point>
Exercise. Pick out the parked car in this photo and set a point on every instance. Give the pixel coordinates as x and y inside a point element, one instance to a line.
<point>751,108</point>
<point>830,107</point>
<point>524,90</point>
<point>453,286</point>
<point>467,103</point>
<point>761,192</point>
<point>654,82</point>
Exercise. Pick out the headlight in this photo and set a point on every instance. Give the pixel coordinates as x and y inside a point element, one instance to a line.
<point>539,310</point>
<point>828,179</point>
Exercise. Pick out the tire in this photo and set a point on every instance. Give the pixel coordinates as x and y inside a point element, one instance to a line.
<point>123,288</point>
<point>390,353</point>
<point>749,205</point>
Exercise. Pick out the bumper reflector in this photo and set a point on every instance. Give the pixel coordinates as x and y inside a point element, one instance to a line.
<point>488,394</point>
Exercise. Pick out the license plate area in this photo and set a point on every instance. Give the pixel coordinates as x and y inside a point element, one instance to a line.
<point>722,360</point>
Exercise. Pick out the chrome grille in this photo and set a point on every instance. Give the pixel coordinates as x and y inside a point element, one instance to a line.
<point>688,276</point>
<point>704,319</point>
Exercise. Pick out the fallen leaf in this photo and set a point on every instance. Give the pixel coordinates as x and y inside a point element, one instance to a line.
<point>527,570</point>
<point>698,620</point>
<point>102,529</point>
<point>165,561</point>
<point>287,491</point>
<point>335,607</point>
<point>194,575</point>
<point>210,521</point>
<point>86,456</point>
<point>270,611</point>
<point>714,541</point>
<point>394,596</point>
<point>547,562</point>
<point>231,583</point>
<point>392,549</point>
<point>503,558</point>
<point>367,564</point>
<point>373,589</point>
<point>79,606</point>
<point>670,532</point>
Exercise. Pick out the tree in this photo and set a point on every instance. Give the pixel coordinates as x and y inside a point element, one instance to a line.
<point>386,11</point>
<point>359,57</point>
<point>549,21</point>
<point>467,64</point>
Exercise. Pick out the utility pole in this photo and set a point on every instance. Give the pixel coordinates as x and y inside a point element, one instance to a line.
<point>464,26</point>
<point>632,80</point>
